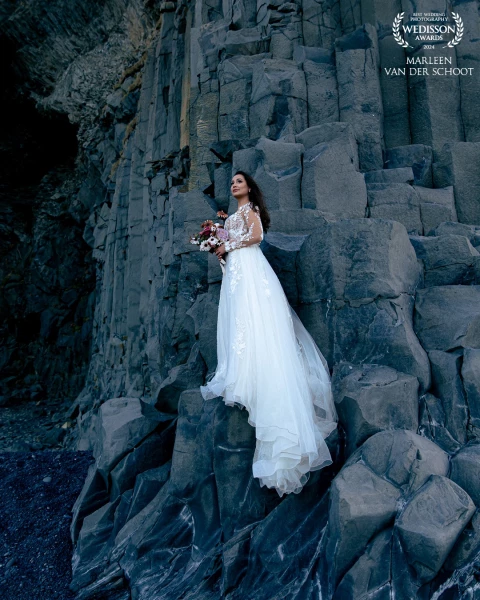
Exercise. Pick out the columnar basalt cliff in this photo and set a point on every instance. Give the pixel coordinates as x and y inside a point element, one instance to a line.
<point>373,187</point>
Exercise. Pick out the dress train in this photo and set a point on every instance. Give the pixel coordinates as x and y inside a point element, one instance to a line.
<point>269,364</point>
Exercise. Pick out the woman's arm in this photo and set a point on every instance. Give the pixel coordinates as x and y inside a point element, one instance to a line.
<point>254,235</point>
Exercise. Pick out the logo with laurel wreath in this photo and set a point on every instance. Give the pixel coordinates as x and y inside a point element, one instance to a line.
<point>397,36</point>
<point>402,42</point>
<point>459,32</point>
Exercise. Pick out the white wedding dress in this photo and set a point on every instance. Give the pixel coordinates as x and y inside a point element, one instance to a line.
<point>269,364</point>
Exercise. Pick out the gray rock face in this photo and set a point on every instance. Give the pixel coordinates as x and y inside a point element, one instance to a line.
<point>122,424</point>
<point>179,379</point>
<point>471,381</point>
<point>368,327</point>
<point>372,189</point>
<point>447,259</point>
<point>373,533</point>
<point>400,175</point>
<point>361,505</point>
<point>372,399</point>
<point>433,423</point>
<point>396,201</point>
<point>124,448</point>
<point>460,328</point>
<point>338,132</point>
<point>364,269</point>
<point>330,182</point>
<point>466,546</point>
<point>321,24</point>
<point>403,458</point>
<point>235,77</point>
<point>469,231</point>
<point>447,385</point>
<point>436,206</point>
<point>394,89</point>
<point>95,538</point>
<point>282,251</point>
<point>452,168</point>
<point>320,77</point>
<point>433,519</point>
<point>417,156</point>
<point>465,471</point>
<point>276,166</point>
<point>356,260</point>
<point>147,486</point>
<point>371,573</point>
<point>359,92</point>
<point>278,87</point>
<point>155,450</point>
<point>426,128</point>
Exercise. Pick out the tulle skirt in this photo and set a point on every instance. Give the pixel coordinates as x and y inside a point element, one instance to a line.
<point>269,364</point>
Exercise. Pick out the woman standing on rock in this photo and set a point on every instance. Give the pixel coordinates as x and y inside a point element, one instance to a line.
<point>268,363</point>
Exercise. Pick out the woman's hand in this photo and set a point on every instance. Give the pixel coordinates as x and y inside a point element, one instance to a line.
<point>220,251</point>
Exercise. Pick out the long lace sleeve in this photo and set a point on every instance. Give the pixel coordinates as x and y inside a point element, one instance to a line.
<point>253,235</point>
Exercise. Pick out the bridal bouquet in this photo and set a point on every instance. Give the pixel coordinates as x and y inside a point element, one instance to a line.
<point>211,236</point>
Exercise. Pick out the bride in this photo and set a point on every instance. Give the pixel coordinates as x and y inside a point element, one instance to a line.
<point>268,363</point>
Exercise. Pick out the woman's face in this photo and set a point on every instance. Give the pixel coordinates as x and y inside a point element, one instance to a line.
<point>239,187</point>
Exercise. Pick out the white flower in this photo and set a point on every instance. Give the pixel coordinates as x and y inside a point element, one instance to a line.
<point>204,246</point>
<point>212,241</point>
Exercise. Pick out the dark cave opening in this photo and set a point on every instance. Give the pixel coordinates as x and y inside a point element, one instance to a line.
<point>38,179</point>
<point>32,140</point>
<point>28,328</point>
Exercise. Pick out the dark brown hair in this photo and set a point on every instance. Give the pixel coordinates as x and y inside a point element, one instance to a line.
<point>255,195</point>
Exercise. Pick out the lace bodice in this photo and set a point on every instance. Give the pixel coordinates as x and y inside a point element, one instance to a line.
<point>244,228</point>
